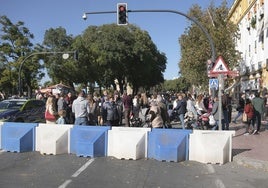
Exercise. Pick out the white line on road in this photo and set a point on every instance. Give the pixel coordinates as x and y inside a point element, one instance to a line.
<point>79,171</point>
<point>67,182</point>
<point>210,168</point>
<point>82,168</point>
<point>218,182</point>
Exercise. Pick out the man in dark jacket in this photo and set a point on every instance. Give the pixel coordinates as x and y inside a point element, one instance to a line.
<point>181,109</point>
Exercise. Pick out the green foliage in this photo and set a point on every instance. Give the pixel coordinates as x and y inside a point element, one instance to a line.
<point>15,45</point>
<point>195,48</point>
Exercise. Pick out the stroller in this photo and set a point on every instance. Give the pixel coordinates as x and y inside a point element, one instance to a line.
<point>204,121</point>
<point>143,120</point>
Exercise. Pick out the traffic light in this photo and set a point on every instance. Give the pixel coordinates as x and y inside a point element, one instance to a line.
<point>122,14</point>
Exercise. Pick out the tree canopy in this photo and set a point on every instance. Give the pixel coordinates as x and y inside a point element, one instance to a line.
<point>195,48</point>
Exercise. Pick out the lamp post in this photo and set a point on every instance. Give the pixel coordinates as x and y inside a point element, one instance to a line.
<point>32,54</point>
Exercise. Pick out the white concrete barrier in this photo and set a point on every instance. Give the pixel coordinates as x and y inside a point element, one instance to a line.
<point>211,146</point>
<point>128,142</point>
<point>53,138</point>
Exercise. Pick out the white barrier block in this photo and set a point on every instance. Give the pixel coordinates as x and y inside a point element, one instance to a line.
<point>128,142</point>
<point>1,124</point>
<point>53,138</point>
<point>210,147</point>
<point>229,133</point>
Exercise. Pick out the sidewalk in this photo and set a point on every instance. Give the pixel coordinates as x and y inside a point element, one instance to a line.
<point>250,150</point>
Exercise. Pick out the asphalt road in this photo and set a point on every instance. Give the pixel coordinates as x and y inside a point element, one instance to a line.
<point>31,169</point>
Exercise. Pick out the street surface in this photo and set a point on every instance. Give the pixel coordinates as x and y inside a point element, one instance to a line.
<point>31,169</point>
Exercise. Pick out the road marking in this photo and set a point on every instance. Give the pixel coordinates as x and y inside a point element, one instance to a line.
<point>219,183</point>
<point>80,170</point>
<point>67,182</point>
<point>210,168</point>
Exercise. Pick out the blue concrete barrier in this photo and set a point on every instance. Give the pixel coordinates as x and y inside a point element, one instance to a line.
<point>168,144</point>
<point>18,137</point>
<point>89,141</point>
<point>1,124</point>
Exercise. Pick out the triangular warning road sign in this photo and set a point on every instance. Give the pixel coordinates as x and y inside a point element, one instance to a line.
<point>220,66</point>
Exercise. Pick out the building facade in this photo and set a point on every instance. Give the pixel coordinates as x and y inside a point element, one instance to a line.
<point>251,16</point>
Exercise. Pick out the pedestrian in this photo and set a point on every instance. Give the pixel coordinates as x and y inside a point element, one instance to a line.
<point>181,109</point>
<point>62,115</point>
<point>69,101</point>
<point>258,104</point>
<point>120,107</point>
<point>112,111</point>
<point>216,114</point>
<point>249,110</point>
<point>225,108</point>
<point>127,101</point>
<point>191,106</point>
<point>61,103</point>
<point>155,115</point>
<point>50,113</point>
<point>81,109</point>
<point>240,107</point>
<point>93,114</point>
<point>163,111</point>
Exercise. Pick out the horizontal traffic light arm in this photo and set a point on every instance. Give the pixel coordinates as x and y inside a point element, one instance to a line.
<point>213,51</point>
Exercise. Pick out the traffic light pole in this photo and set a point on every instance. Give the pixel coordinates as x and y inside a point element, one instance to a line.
<point>32,54</point>
<point>213,51</point>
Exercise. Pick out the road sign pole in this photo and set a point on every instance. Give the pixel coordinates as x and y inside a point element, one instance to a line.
<point>221,83</point>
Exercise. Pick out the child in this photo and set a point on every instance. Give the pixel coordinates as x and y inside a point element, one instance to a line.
<point>61,119</point>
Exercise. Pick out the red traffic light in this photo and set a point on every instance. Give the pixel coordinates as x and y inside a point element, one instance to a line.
<point>122,14</point>
<point>122,8</point>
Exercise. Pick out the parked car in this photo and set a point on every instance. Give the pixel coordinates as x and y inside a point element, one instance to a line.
<point>10,107</point>
<point>31,110</point>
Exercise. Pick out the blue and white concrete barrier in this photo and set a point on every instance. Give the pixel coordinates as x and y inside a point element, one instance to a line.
<point>18,137</point>
<point>1,124</point>
<point>211,146</point>
<point>128,142</point>
<point>168,144</point>
<point>53,138</point>
<point>89,141</point>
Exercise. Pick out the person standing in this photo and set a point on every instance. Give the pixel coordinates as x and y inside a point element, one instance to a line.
<point>112,112</point>
<point>50,113</point>
<point>127,101</point>
<point>181,109</point>
<point>93,114</point>
<point>81,109</point>
<point>249,110</point>
<point>69,101</point>
<point>216,114</point>
<point>240,107</point>
<point>258,104</point>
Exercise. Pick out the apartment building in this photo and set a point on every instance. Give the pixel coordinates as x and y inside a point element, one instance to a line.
<point>251,16</point>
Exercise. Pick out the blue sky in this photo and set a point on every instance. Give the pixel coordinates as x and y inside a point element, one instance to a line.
<point>164,28</point>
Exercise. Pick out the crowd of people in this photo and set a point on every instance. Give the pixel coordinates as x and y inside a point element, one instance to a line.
<point>116,109</point>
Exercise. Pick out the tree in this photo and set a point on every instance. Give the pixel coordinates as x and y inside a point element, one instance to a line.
<point>15,45</point>
<point>125,54</point>
<point>59,69</point>
<point>195,48</point>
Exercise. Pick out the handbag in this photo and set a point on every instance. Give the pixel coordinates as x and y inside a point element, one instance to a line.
<point>49,116</point>
<point>212,121</point>
<point>245,117</point>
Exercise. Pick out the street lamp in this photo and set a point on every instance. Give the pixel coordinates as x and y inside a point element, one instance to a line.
<point>38,53</point>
